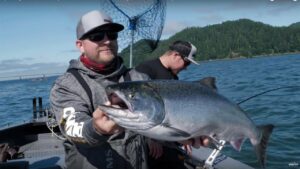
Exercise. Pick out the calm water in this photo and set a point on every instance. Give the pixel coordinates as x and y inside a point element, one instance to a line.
<point>236,79</point>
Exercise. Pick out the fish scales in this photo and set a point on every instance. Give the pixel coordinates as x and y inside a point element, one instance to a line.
<point>179,110</point>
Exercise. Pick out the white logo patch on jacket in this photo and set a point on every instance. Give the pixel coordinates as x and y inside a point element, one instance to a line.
<point>72,128</point>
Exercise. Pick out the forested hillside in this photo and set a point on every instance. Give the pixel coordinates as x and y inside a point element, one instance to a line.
<point>231,39</point>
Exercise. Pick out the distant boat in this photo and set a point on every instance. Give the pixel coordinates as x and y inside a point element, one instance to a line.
<point>44,78</point>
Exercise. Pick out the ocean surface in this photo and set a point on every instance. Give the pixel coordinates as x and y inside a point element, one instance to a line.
<point>237,79</point>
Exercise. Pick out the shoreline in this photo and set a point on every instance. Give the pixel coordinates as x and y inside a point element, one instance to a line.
<point>252,57</point>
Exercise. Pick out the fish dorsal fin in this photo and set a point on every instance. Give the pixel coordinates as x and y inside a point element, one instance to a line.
<point>209,82</point>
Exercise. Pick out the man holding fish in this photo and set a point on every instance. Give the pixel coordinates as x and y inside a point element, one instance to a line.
<point>94,140</point>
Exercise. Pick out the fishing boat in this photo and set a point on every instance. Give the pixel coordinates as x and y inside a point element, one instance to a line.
<point>38,144</point>
<point>34,144</point>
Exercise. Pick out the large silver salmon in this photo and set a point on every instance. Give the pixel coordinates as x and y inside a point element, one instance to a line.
<point>178,110</point>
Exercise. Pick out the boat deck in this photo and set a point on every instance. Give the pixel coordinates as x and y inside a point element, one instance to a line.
<point>47,152</point>
<point>38,149</point>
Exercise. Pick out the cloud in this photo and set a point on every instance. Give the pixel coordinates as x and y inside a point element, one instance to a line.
<point>29,66</point>
<point>279,10</point>
<point>244,5</point>
<point>70,51</point>
<point>172,27</point>
<point>12,64</point>
<point>15,68</point>
<point>210,19</point>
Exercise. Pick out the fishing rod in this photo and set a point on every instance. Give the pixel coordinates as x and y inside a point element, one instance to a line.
<point>267,91</point>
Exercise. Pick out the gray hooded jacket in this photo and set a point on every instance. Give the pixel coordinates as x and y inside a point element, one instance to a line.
<point>85,147</point>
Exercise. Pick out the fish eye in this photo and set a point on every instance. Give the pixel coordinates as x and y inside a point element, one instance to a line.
<point>131,95</point>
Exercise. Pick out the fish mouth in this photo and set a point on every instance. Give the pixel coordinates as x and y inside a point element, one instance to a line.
<point>119,101</point>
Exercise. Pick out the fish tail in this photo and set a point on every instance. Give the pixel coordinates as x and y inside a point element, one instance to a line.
<point>260,148</point>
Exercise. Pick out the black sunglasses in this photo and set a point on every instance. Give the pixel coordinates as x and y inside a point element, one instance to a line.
<point>186,61</point>
<point>99,36</point>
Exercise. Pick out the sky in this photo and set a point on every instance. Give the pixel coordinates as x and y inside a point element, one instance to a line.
<point>38,36</point>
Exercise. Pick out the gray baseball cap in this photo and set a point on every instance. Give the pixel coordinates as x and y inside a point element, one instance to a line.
<point>185,49</point>
<point>96,20</point>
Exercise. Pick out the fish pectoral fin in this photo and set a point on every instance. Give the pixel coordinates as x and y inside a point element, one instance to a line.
<point>209,82</point>
<point>175,132</point>
<point>237,144</point>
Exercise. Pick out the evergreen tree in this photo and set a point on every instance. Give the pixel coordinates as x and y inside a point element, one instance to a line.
<point>231,39</point>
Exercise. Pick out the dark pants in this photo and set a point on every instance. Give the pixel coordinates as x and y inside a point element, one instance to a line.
<point>102,157</point>
<point>170,159</point>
